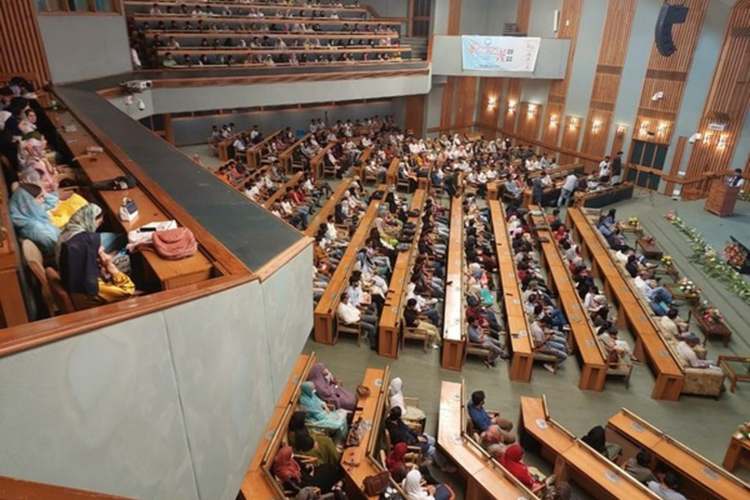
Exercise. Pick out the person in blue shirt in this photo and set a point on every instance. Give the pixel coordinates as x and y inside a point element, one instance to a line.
<point>481,419</point>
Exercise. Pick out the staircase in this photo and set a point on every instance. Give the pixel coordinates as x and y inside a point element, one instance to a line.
<point>418,46</point>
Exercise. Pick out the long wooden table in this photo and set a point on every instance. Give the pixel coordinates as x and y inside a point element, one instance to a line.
<point>594,369</point>
<point>258,481</point>
<point>357,461</point>
<point>391,175</point>
<point>701,478</point>
<point>254,154</point>
<point>630,311</point>
<point>454,336</point>
<point>573,459</point>
<point>281,191</point>
<point>285,157</point>
<point>390,319</point>
<point>485,478</point>
<point>318,161</point>
<point>522,360</point>
<point>99,167</point>
<point>330,205</point>
<point>325,320</point>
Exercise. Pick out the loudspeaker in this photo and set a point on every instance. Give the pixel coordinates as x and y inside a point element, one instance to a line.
<point>668,15</point>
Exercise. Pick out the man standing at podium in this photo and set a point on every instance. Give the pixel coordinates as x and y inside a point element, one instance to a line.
<point>736,180</point>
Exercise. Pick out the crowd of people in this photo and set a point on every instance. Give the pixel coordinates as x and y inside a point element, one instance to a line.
<point>93,265</point>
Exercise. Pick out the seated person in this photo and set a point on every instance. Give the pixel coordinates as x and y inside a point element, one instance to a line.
<point>478,336</point>
<point>617,351</point>
<point>323,447</point>
<point>411,319</point>
<point>401,433</point>
<point>672,326</point>
<point>30,218</point>
<point>686,350</point>
<point>318,414</point>
<point>548,341</point>
<point>666,486</point>
<point>87,271</point>
<point>596,438</point>
<point>349,314</point>
<point>329,389</point>
<point>512,461</point>
<point>296,476</point>
<point>412,415</point>
<point>481,419</point>
<point>638,467</point>
<point>659,298</point>
<point>414,490</point>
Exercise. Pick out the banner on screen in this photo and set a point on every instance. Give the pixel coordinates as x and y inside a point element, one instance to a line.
<point>499,53</point>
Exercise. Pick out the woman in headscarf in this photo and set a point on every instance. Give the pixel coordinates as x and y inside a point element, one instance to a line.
<point>414,490</point>
<point>396,462</point>
<point>319,415</point>
<point>30,218</point>
<point>87,271</point>
<point>329,390</point>
<point>596,438</point>
<point>412,416</point>
<point>323,448</point>
<point>511,460</point>
<point>296,477</point>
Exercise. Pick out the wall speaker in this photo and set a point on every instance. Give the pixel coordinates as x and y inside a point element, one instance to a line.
<point>668,16</point>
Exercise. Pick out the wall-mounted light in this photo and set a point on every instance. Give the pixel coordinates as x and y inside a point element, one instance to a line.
<point>621,129</point>
<point>553,121</point>
<point>722,143</point>
<point>643,129</point>
<point>512,106</point>
<point>491,103</point>
<point>573,125</point>
<point>531,111</point>
<point>707,137</point>
<point>596,126</point>
<point>662,128</point>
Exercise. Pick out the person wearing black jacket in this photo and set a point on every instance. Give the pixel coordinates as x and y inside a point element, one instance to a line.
<point>616,169</point>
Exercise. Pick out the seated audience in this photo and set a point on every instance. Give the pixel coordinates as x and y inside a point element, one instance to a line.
<point>414,490</point>
<point>295,475</point>
<point>639,467</point>
<point>666,486</point>
<point>329,389</point>
<point>322,448</point>
<point>481,419</point>
<point>596,438</point>
<point>318,414</point>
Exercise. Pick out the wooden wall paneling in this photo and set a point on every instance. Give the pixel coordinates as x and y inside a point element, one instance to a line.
<point>21,47</point>
<point>570,16</point>
<point>571,133</point>
<point>529,119</point>
<point>454,17</point>
<point>415,105</point>
<point>553,123</point>
<point>490,91</point>
<point>612,52</point>
<point>446,110</point>
<point>511,106</point>
<point>676,161</point>
<point>465,102</point>
<point>523,14</point>
<point>727,101</point>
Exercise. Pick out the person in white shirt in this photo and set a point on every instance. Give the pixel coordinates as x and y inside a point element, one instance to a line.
<point>546,180</point>
<point>686,350</point>
<point>350,315</point>
<point>571,181</point>
<point>604,167</point>
<point>667,487</point>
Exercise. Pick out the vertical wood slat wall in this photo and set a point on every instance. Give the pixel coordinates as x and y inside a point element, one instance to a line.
<point>570,19</point>
<point>612,53</point>
<point>728,99</point>
<point>21,47</point>
<point>513,95</point>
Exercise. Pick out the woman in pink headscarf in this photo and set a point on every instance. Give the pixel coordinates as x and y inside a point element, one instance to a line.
<point>329,390</point>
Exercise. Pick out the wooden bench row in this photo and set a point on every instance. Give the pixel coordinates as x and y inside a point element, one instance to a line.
<point>246,6</point>
<point>522,360</point>
<point>630,311</point>
<point>593,360</point>
<point>293,182</point>
<point>263,20</point>
<point>330,206</point>
<point>485,477</point>
<point>325,320</point>
<point>454,327</point>
<point>253,154</point>
<point>391,321</point>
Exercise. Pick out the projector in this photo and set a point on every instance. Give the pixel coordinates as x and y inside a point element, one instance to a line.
<point>136,86</point>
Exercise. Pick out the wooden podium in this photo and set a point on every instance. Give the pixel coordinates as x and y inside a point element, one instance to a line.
<point>721,198</point>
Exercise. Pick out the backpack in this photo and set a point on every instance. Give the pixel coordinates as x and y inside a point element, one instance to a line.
<point>174,244</point>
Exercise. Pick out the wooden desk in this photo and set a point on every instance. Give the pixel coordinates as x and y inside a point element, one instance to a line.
<point>285,157</point>
<point>325,312</point>
<point>99,167</point>
<point>258,482</point>
<point>594,370</point>
<point>701,477</point>
<point>389,327</point>
<point>454,338</point>
<point>738,453</point>
<point>281,191</point>
<point>364,158</point>
<point>254,154</point>
<point>522,361</point>
<point>328,209</point>
<point>316,163</point>
<point>485,478</point>
<point>661,359</point>
<point>356,460</point>
<point>574,459</point>
<point>391,175</point>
